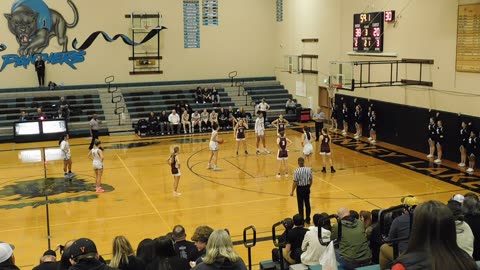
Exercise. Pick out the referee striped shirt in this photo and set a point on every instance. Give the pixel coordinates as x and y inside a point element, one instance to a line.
<point>303,176</point>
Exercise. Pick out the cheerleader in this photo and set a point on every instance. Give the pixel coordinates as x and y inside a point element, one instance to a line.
<point>213,145</point>
<point>280,123</point>
<point>326,150</point>
<point>440,136</point>
<point>358,121</point>
<point>174,163</point>
<point>96,154</point>
<point>345,119</point>
<point>372,126</point>
<point>464,135</point>
<point>334,116</point>
<point>472,146</point>
<point>260,133</point>
<point>432,127</point>
<point>307,139</point>
<point>67,157</point>
<point>282,154</point>
<point>239,134</point>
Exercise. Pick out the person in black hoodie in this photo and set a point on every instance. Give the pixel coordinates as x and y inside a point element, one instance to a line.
<point>220,254</point>
<point>7,260</point>
<point>84,256</point>
<point>165,258</point>
<point>123,257</point>
<point>48,261</point>
<point>471,213</point>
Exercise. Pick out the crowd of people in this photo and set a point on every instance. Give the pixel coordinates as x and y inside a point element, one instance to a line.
<point>209,249</point>
<point>60,109</point>
<point>428,235</point>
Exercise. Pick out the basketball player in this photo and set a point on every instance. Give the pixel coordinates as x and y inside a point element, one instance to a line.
<point>345,119</point>
<point>260,133</point>
<point>174,163</point>
<point>372,126</point>
<point>432,131</point>
<point>358,121</point>
<point>439,135</point>
<point>213,145</point>
<point>307,139</point>
<point>205,120</point>
<point>186,122</point>
<point>67,157</point>
<point>334,116</point>
<point>214,117</point>
<point>239,133</point>
<point>472,146</point>
<point>196,121</point>
<point>96,154</point>
<point>326,150</point>
<point>464,135</point>
<point>280,123</point>
<point>282,154</point>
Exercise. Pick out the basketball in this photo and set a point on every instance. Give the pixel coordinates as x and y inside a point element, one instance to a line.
<point>220,141</point>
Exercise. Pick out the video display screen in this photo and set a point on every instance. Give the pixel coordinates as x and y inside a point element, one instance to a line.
<point>27,128</point>
<point>54,126</point>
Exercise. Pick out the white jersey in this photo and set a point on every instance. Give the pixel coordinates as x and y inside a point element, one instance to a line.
<point>65,147</point>
<point>260,126</point>
<point>97,159</point>
<point>263,106</point>
<point>307,145</point>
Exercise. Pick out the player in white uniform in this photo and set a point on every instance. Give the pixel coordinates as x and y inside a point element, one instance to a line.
<point>67,157</point>
<point>260,133</point>
<point>213,145</point>
<point>96,154</point>
<point>307,139</point>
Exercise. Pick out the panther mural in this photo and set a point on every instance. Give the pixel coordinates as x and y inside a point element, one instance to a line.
<point>33,23</point>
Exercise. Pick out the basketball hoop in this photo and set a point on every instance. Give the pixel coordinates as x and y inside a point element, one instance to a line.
<point>332,88</point>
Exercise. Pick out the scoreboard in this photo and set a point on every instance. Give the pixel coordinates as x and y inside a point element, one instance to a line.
<point>368,32</point>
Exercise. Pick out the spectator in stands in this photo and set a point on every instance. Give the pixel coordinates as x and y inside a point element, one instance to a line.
<point>199,95</point>
<point>354,214</point>
<point>319,118</point>
<point>214,117</point>
<point>295,237</point>
<point>153,122</point>
<point>164,123</point>
<point>183,248</point>
<point>282,239</point>
<point>207,98</point>
<point>23,117</point>
<point>40,115</point>
<point>400,229</point>
<point>200,238</point>
<point>52,85</point>
<point>220,254</point>
<point>291,106</point>
<point>152,117</point>
<point>353,248</point>
<point>165,257</point>
<point>63,108</point>
<point>7,259</point>
<point>188,108</point>
<point>215,95</point>
<point>186,122</point>
<point>146,251</point>
<point>241,113</point>
<point>205,120</point>
<point>123,257</point>
<point>196,121</point>
<point>94,128</point>
<point>232,117</point>
<point>311,247</point>
<point>223,118</point>
<point>376,237</point>
<point>464,232</point>
<point>84,256</point>
<point>366,218</point>
<point>471,212</point>
<point>432,243</point>
<point>48,261</point>
<point>263,107</point>
<point>174,120</point>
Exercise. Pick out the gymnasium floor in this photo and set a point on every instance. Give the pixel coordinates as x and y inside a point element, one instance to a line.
<point>138,201</point>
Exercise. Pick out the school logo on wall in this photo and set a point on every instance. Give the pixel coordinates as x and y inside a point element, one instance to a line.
<point>34,24</point>
<point>32,193</point>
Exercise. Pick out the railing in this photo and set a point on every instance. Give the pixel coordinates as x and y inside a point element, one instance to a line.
<point>249,243</point>
<point>232,75</point>
<point>115,98</point>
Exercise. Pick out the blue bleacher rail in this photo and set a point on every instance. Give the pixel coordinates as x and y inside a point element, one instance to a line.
<point>115,99</point>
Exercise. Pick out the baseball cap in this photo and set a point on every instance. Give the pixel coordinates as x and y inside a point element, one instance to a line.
<point>6,251</point>
<point>82,246</point>
<point>409,200</point>
<point>50,253</point>
<point>459,198</point>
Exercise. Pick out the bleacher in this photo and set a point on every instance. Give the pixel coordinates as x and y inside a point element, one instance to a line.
<point>82,106</point>
<point>276,96</point>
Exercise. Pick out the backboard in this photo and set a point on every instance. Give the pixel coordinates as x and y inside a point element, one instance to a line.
<point>341,75</point>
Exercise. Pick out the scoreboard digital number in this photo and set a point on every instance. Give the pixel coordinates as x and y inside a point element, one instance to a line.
<point>368,32</point>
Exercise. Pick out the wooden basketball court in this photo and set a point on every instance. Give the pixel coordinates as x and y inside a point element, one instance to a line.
<point>139,203</point>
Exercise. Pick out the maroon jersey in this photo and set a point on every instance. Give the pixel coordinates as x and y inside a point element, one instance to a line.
<point>241,132</point>
<point>282,148</point>
<point>174,164</point>
<point>325,144</point>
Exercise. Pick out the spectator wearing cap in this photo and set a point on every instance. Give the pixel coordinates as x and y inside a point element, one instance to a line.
<point>458,198</point>
<point>282,239</point>
<point>183,248</point>
<point>7,260</point>
<point>353,251</point>
<point>471,213</point>
<point>84,256</point>
<point>464,232</point>
<point>48,261</point>
<point>400,229</point>
<point>200,238</point>
<point>295,237</point>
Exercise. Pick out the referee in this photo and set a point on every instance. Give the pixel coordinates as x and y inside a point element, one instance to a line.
<point>302,180</point>
<point>94,127</point>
